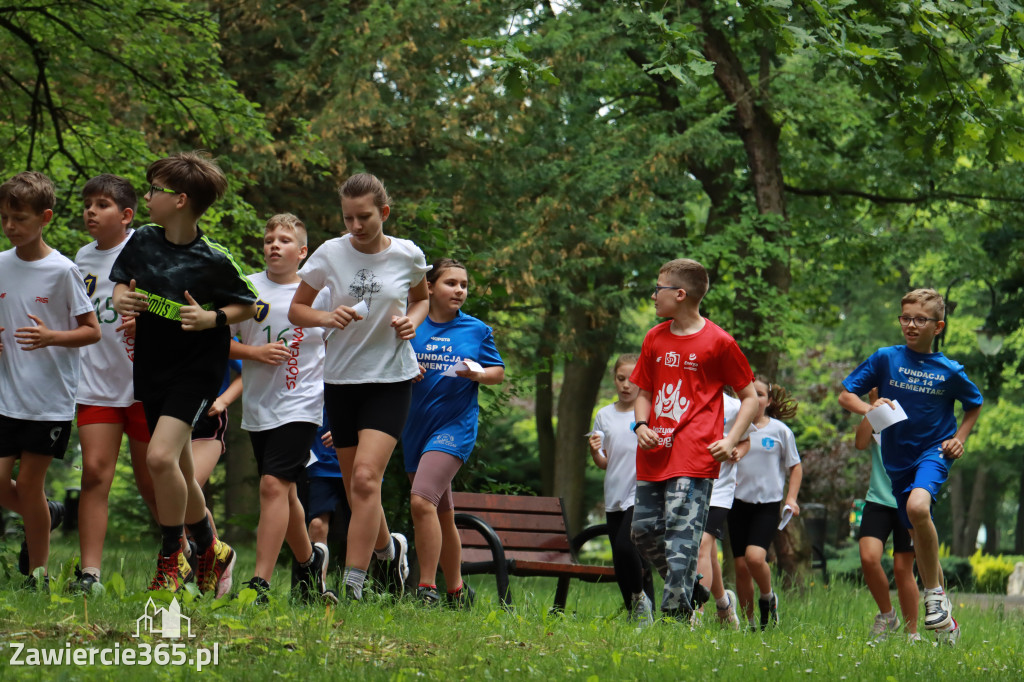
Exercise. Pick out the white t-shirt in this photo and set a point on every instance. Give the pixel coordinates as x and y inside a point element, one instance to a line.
<point>106,365</point>
<point>761,474</point>
<point>293,391</point>
<point>39,385</point>
<point>619,444</point>
<point>725,485</point>
<point>367,351</point>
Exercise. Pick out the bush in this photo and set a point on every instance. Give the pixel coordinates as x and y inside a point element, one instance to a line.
<point>958,572</point>
<point>991,572</point>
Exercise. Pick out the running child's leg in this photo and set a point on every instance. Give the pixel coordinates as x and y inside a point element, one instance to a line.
<point>100,445</point>
<point>871,549</point>
<point>273,524</point>
<point>432,480</point>
<point>296,535</point>
<point>165,460</point>
<point>205,455</point>
<point>31,504</point>
<point>906,588</point>
<point>143,479</point>
<point>629,565</point>
<point>926,538</point>
<point>648,528</point>
<point>686,506</point>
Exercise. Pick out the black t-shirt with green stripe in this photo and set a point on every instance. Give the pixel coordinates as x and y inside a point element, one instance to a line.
<point>166,356</point>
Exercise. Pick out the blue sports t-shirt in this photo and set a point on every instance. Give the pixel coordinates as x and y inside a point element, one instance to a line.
<point>927,385</point>
<point>444,411</point>
<point>326,464</point>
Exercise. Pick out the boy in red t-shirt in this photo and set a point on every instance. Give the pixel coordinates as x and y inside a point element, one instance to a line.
<point>684,364</point>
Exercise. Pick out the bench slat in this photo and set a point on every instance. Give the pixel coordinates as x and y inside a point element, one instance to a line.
<point>471,503</point>
<point>502,520</point>
<point>513,540</point>
<point>473,554</point>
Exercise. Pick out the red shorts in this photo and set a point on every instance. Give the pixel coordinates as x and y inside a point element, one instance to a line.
<point>133,418</point>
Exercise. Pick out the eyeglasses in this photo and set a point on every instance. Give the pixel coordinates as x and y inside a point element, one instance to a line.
<point>658,288</point>
<point>153,189</point>
<point>907,320</point>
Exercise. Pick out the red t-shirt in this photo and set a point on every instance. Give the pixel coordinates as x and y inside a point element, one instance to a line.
<point>685,376</point>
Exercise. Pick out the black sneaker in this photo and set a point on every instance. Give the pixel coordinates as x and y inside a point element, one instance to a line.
<point>461,600</point>
<point>313,578</point>
<point>769,608</point>
<point>56,518</point>
<point>32,585</point>
<point>83,583</point>
<point>395,572</point>
<point>262,588</point>
<point>700,594</point>
<point>427,596</point>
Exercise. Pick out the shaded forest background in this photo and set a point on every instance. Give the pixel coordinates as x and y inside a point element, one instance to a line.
<point>821,158</point>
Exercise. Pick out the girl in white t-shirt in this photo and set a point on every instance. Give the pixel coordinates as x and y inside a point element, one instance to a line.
<point>760,484</point>
<point>378,298</point>
<point>613,448</point>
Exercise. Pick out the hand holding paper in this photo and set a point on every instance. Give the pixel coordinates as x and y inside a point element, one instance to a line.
<point>884,416</point>
<point>598,435</point>
<point>787,514</point>
<point>462,366</point>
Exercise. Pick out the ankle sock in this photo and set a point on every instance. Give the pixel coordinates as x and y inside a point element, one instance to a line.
<point>353,578</point>
<point>201,533</point>
<point>723,603</point>
<point>308,562</point>
<point>387,553</point>
<point>428,586</point>
<point>891,616</point>
<point>457,589</point>
<point>171,539</point>
<point>94,572</point>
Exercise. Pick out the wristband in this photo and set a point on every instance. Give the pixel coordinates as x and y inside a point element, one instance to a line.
<point>642,422</point>
<point>222,318</point>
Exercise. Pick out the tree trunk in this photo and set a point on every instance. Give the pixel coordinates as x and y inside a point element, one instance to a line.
<point>544,410</point>
<point>956,507</point>
<point>1018,531</point>
<point>793,553</point>
<point>992,524</point>
<point>975,512</point>
<point>242,483</point>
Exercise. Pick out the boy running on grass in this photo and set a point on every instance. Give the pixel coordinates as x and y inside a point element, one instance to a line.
<point>918,451</point>
<point>184,290</point>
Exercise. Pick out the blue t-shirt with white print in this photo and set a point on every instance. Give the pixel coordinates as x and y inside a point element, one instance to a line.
<point>926,385</point>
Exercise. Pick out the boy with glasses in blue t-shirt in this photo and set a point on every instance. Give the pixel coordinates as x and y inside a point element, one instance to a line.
<point>918,451</point>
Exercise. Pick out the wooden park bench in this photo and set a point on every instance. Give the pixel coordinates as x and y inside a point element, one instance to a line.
<point>524,536</point>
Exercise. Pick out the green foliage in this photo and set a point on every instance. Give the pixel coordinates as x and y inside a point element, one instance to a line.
<point>992,572</point>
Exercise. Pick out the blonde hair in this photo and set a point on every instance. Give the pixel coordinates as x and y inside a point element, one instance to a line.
<point>29,189</point>
<point>625,359</point>
<point>928,297</point>
<point>290,222</point>
<point>781,405</point>
<point>688,274</point>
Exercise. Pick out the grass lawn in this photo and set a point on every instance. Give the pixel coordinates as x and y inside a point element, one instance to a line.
<point>822,634</point>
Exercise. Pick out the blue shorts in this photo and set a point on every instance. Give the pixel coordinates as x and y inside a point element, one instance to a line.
<point>930,474</point>
<point>324,496</point>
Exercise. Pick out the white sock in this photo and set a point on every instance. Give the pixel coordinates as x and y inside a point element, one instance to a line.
<point>353,579</point>
<point>388,553</point>
<point>723,603</point>
<point>934,590</point>
<point>891,616</point>
<point>768,597</point>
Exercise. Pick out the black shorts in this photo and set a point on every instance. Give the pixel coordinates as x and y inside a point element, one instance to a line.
<point>324,496</point>
<point>18,436</point>
<point>212,428</point>
<point>354,407</point>
<point>715,525</point>
<point>752,524</point>
<point>182,404</point>
<point>878,521</point>
<point>284,450</point>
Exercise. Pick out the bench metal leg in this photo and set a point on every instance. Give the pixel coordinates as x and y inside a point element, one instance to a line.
<point>561,594</point>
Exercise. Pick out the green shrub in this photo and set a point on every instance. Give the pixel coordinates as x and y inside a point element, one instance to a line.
<point>991,572</point>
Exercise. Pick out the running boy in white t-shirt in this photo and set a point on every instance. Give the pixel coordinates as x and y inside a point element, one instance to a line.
<point>282,407</point>
<point>44,309</point>
<point>107,409</point>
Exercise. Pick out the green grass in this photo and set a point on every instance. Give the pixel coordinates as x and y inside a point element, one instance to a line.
<point>823,635</point>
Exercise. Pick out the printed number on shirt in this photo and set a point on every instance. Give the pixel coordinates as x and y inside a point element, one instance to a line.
<point>281,335</point>
<point>432,347</point>
<point>107,307</point>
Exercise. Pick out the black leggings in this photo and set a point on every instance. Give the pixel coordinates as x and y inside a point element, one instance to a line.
<point>631,571</point>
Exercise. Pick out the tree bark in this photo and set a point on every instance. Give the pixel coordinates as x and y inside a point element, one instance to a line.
<point>242,497</point>
<point>956,506</point>
<point>544,409</point>
<point>975,511</point>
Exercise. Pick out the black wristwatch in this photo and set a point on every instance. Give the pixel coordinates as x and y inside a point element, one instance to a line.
<point>640,423</point>
<point>222,318</point>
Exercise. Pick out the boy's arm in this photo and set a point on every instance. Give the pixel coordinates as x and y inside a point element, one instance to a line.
<point>853,403</point>
<point>194,318</point>
<point>954,447</point>
<point>862,437</point>
<point>41,336</point>
<point>796,477</point>
<point>415,312</point>
<point>646,438</point>
<point>127,301</point>
<point>721,450</point>
<point>267,353</point>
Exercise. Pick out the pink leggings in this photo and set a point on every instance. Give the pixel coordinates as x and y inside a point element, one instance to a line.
<point>433,478</point>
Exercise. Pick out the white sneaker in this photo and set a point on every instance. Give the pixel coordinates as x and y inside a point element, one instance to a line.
<point>948,637</point>
<point>883,627</point>
<point>641,611</point>
<point>727,616</point>
<point>913,637</point>
<point>938,611</point>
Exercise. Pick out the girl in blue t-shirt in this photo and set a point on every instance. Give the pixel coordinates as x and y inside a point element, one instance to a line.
<point>441,430</point>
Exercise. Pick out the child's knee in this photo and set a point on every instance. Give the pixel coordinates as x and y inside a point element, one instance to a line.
<point>272,488</point>
<point>421,506</point>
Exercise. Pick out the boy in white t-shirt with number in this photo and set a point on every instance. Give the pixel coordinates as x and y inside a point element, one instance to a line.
<point>282,407</point>
<point>107,409</point>
<point>44,310</point>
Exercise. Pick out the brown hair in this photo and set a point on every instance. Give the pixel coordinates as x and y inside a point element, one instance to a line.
<point>193,173</point>
<point>688,274</point>
<point>288,221</point>
<point>928,297</point>
<point>363,184</point>
<point>625,359</point>
<point>440,265</point>
<point>28,189</point>
<point>780,406</point>
<point>115,187</point>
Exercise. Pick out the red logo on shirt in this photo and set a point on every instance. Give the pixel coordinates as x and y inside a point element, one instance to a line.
<point>3,294</point>
<point>42,299</point>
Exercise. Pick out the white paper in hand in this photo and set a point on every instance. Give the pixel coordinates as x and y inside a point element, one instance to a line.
<point>463,365</point>
<point>361,309</point>
<point>787,514</point>
<point>884,416</point>
<point>600,434</point>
